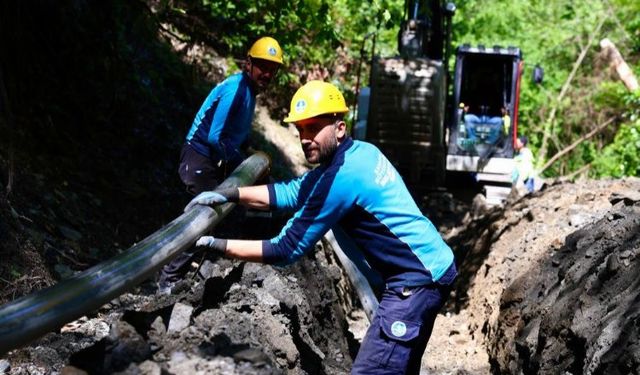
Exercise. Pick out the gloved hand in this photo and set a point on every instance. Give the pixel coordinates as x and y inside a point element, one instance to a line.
<point>206,241</point>
<point>207,198</point>
<point>212,243</point>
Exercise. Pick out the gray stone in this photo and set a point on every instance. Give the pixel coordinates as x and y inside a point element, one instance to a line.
<point>149,368</point>
<point>97,328</point>
<point>208,270</point>
<point>188,365</point>
<point>612,263</point>
<point>131,370</point>
<point>579,220</point>
<point>625,254</point>
<point>129,346</point>
<point>180,317</point>
<point>629,197</point>
<point>5,366</point>
<point>254,356</point>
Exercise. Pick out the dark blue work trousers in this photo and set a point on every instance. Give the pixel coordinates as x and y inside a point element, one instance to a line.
<point>199,174</point>
<point>400,330</point>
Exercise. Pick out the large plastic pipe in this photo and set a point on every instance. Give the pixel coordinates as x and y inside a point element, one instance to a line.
<point>362,277</point>
<point>31,316</point>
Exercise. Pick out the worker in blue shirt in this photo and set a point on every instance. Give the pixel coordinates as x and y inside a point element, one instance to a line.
<point>212,147</point>
<point>355,187</point>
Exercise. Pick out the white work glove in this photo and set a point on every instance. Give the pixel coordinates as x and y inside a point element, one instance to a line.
<point>210,242</point>
<point>207,198</point>
<point>206,241</point>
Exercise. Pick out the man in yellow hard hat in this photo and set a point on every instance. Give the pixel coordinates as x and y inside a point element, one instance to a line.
<point>212,147</point>
<point>356,188</point>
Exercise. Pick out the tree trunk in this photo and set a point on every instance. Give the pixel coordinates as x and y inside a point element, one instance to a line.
<point>625,73</point>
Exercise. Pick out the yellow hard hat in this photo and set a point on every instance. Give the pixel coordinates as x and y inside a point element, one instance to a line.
<point>266,48</point>
<point>316,98</point>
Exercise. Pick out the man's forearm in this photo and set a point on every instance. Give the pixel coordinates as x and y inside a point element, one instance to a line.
<point>256,197</point>
<point>249,250</point>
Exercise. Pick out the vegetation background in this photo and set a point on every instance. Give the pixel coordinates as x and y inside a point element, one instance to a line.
<point>324,39</point>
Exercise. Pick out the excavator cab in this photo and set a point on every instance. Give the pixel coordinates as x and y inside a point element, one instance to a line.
<point>484,116</point>
<point>430,123</point>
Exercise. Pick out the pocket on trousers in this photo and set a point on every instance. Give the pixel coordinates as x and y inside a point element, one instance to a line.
<point>399,330</point>
<point>400,337</point>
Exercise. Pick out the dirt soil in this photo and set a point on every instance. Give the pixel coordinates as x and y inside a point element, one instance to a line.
<point>548,285</point>
<point>241,319</point>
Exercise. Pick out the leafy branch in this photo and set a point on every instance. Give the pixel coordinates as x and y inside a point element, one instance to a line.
<point>575,144</point>
<point>550,122</point>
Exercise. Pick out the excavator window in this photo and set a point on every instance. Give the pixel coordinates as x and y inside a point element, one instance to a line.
<point>485,95</point>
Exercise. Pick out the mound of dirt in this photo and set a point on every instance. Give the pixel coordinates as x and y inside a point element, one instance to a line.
<point>578,310</point>
<point>548,284</point>
<point>232,318</point>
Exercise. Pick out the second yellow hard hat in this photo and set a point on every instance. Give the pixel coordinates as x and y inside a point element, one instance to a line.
<point>266,48</point>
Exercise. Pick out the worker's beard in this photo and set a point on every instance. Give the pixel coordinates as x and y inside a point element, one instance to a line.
<point>327,151</point>
<point>323,153</point>
<point>262,83</point>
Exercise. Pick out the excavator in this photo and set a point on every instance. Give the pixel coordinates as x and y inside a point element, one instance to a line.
<point>434,124</point>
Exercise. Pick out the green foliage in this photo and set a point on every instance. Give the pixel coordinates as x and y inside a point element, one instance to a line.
<point>613,96</point>
<point>325,39</point>
<point>627,15</point>
<point>245,21</point>
<point>621,157</point>
<point>553,34</point>
<point>310,31</point>
<point>321,39</point>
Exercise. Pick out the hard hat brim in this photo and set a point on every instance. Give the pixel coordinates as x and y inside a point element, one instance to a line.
<point>268,58</point>
<point>294,118</point>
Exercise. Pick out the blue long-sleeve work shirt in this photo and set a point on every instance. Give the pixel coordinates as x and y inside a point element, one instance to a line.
<point>223,122</point>
<point>363,193</point>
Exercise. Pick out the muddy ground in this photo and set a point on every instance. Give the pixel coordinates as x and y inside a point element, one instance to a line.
<point>548,284</point>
